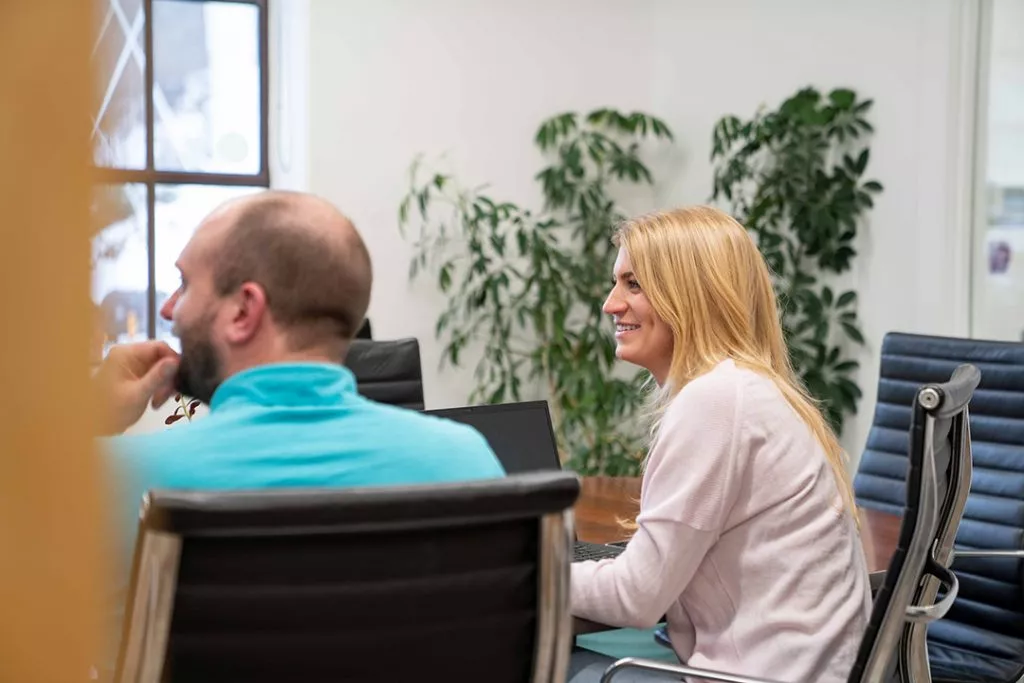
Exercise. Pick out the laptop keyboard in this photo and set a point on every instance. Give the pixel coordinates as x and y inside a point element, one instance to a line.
<point>582,552</point>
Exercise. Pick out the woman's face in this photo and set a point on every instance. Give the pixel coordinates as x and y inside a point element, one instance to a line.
<point>641,337</point>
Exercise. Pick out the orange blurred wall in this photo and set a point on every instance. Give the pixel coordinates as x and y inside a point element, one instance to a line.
<point>51,545</point>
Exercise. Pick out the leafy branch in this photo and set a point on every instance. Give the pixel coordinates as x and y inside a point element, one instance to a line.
<point>795,178</point>
<point>184,409</point>
<point>527,287</point>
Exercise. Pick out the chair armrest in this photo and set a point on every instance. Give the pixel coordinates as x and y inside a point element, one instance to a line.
<point>929,613</point>
<point>664,667</point>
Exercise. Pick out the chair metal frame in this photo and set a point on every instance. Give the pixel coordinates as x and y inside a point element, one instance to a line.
<point>913,657</point>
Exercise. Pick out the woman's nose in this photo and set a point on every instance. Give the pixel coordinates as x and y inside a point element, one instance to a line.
<point>613,305</point>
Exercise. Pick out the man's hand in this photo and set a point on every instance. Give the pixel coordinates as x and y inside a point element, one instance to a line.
<point>132,376</point>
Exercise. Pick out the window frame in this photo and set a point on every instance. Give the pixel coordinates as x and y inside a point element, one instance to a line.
<point>150,177</point>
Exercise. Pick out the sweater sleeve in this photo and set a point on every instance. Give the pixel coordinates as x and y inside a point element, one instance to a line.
<point>689,487</point>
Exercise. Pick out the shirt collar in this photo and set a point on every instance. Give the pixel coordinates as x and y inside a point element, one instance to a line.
<point>286,385</point>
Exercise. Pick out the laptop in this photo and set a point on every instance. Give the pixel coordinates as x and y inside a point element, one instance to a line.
<point>523,438</point>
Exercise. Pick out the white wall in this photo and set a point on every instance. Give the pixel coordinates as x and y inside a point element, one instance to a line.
<point>394,78</point>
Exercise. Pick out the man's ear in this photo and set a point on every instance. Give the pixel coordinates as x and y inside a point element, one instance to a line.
<point>248,314</point>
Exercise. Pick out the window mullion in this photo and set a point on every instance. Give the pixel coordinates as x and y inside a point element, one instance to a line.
<point>150,169</point>
<point>264,57</point>
<point>151,253</point>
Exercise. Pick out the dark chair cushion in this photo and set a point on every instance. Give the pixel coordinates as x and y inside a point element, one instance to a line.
<point>959,652</point>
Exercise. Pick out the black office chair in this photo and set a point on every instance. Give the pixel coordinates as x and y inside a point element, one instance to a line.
<point>388,371</point>
<point>982,637</point>
<point>455,582</point>
<point>886,651</point>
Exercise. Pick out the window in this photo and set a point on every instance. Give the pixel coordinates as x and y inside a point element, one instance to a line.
<point>998,281</point>
<point>179,126</point>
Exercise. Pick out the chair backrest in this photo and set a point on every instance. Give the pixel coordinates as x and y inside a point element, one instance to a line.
<point>388,371</point>
<point>455,582</point>
<point>991,590</point>
<point>938,444</point>
<point>947,413</point>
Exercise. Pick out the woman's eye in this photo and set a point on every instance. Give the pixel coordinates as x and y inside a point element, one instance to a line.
<point>633,284</point>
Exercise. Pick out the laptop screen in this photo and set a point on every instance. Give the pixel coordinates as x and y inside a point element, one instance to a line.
<point>520,434</point>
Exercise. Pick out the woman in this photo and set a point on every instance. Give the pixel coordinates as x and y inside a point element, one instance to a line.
<point>746,540</point>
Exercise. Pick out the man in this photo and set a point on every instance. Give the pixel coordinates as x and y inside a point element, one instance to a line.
<point>273,289</point>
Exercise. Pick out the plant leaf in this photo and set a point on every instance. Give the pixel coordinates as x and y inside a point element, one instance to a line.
<point>852,332</point>
<point>862,161</point>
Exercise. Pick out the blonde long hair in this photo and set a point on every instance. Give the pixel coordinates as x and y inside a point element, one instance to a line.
<point>705,278</point>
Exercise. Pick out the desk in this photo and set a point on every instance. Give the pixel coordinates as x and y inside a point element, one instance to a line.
<point>604,501</point>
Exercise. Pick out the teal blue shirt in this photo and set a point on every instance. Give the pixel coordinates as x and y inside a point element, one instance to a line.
<point>298,425</point>
<point>290,425</point>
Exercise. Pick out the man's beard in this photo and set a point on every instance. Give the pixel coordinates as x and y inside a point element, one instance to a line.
<point>199,369</point>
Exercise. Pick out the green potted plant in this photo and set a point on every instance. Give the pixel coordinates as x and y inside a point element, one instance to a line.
<point>526,288</point>
<point>794,177</point>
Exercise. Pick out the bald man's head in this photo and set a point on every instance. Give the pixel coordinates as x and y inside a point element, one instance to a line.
<point>307,257</point>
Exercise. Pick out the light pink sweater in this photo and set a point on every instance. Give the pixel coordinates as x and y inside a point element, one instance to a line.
<point>743,542</point>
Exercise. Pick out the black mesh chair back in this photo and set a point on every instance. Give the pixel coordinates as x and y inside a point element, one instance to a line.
<point>388,371</point>
<point>453,582</point>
